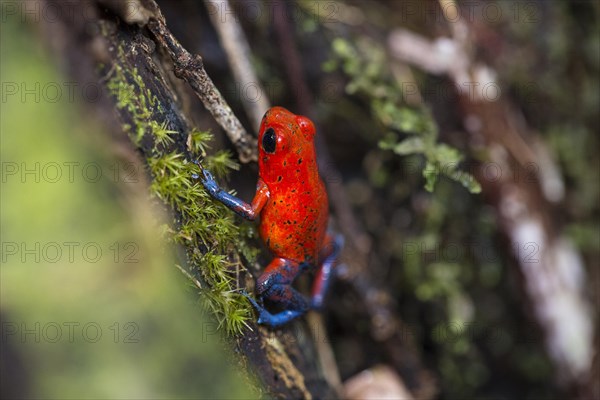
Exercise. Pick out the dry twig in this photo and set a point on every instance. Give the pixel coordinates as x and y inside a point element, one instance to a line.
<point>237,49</point>
<point>191,69</point>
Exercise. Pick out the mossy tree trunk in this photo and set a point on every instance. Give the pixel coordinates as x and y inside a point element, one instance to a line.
<point>140,100</point>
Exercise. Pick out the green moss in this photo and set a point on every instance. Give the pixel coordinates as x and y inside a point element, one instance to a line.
<point>133,97</point>
<point>207,230</point>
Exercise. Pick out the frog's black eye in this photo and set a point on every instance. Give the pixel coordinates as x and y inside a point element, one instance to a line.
<point>269,141</point>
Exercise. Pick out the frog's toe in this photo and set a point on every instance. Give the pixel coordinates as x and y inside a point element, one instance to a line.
<point>281,318</point>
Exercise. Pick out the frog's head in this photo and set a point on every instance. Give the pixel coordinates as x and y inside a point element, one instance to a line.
<point>285,145</point>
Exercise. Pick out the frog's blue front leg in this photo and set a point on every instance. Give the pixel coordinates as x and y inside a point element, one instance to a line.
<point>237,205</point>
<point>240,207</point>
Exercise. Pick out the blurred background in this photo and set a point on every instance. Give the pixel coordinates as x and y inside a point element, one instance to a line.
<point>460,140</point>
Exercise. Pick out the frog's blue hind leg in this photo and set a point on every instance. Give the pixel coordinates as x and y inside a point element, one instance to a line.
<point>275,284</point>
<point>324,275</point>
<point>280,318</point>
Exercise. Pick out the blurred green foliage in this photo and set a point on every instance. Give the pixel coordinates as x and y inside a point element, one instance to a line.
<point>366,64</point>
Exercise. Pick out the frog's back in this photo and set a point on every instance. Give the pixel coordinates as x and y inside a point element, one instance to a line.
<point>294,221</point>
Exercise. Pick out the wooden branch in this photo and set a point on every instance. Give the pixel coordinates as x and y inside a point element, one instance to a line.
<point>191,69</point>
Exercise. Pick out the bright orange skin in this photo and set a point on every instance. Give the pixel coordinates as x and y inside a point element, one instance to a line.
<point>294,217</point>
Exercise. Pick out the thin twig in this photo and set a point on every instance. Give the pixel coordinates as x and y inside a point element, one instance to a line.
<point>236,47</point>
<point>324,351</point>
<point>191,69</point>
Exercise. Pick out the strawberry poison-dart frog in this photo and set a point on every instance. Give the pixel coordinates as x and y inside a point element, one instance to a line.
<point>293,207</point>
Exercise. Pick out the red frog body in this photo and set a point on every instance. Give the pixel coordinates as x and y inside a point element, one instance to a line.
<point>293,206</point>
<point>294,218</point>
